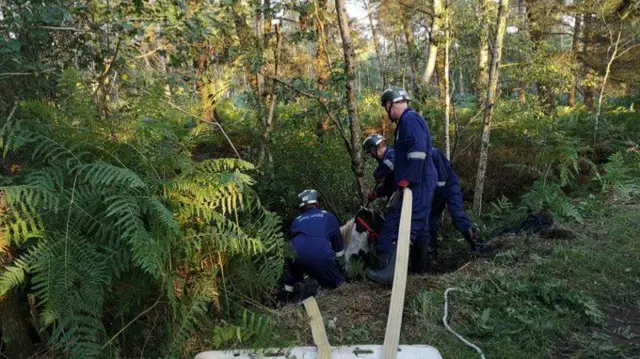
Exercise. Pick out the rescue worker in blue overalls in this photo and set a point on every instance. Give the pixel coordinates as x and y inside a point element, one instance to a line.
<point>413,168</point>
<point>376,147</point>
<point>449,193</point>
<point>318,243</point>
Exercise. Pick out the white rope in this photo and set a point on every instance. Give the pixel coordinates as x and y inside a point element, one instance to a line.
<point>444,321</point>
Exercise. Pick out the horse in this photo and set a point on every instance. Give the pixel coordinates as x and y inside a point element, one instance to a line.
<point>360,234</point>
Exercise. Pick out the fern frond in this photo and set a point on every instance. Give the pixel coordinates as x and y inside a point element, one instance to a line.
<point>190,319</point>
<point>50,150</point>
<point>12,276</point>
<point>104,174</point>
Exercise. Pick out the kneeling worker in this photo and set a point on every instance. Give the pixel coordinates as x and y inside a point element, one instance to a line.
<point>318,244</point>
<point>449,193</point>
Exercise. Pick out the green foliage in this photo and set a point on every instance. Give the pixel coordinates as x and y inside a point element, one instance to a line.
<point>529,313</point>
<point>87,220</point>
<point>251,329</point>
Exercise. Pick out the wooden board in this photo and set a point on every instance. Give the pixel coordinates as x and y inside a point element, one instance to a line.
<point>317,328</point>
<point>345,352</point>
<point>396,307</point>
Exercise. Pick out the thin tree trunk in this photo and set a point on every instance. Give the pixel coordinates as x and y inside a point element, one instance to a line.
<point>575,48</point>
<point>588,35</point>
<point>268,123</point>
<point>488,114</point>
<point>411,52</point>
<point>352,107</point>
<point>320,7</point>
<point>267,22</point>
<point>604,83</point>
<point>376,44</point>
<point>483,57</point>
<point>522,95</point>
<point>433,41</point>
<point>460,82</point>
<point>447,97</point>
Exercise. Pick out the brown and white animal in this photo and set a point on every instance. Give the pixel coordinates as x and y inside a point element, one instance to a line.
<point>359,235</point>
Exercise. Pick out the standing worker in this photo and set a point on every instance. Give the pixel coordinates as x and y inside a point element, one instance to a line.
<point>318,243</point>
<point>376,147</point>
<point>449,193</point>
<point>413,168</point>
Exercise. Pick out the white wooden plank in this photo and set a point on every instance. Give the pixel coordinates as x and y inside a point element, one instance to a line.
<point>344,352</point>
<point>317,328</point>
<point>396,307</point>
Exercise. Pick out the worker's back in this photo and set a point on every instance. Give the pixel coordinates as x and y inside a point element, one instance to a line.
<point>316,234</point>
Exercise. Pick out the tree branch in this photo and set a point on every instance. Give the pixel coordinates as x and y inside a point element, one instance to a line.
<point>415,8</point>
<point>322,104</point>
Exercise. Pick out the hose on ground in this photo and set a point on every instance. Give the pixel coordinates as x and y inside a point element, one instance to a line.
<point>444,321</point>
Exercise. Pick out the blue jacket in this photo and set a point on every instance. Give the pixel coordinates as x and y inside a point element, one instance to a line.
<point>413,161</point>
<point>384,174</point>
<point>443,166</point>
<point>316,235</point>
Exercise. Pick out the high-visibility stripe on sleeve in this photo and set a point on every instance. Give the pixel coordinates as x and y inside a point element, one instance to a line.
<point>418,155</point>
<point>288,288</point>
<point>340,254</point>
<point>440,184</point>
<point>389,163</point>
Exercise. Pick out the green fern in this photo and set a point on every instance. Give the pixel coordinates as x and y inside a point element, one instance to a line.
<point>90,212</point>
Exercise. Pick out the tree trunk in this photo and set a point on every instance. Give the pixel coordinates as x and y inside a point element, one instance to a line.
<point>588,35</point>
<point>446,80</point>
<point>483,57</point>
<point>604,82</point>
<point>535,17</point>
<point>357,164</point>
<point>411,52</point>
<point>321,61</point>
<point>376,44</point>
<point>488,114</point>
<point>522,95</point>
<point>267,22</point>
<point>14,328</point>
<point>268,123</point>
<point>433,41</point>
<point>575,48</point>
<point>460,82</point>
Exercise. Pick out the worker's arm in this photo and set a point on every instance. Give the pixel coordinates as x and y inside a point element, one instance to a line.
<point>337,242</point>
<point>440,162</point>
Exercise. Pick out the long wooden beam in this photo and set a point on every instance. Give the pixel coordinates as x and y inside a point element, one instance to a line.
<point>396,308</point>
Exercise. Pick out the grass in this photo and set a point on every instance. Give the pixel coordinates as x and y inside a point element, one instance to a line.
<point>572,292</point>
<point>533,297</point>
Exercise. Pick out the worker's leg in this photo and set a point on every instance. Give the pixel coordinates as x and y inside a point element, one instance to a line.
<point>293,275</point>
<point>389,234</point>
<point>437,207</point>
<point>326,272</point>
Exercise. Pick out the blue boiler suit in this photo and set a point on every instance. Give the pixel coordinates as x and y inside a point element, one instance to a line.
<point>448,193</point>
<point>383,175</point>
<point>413,163</point>
<point>317,240</point>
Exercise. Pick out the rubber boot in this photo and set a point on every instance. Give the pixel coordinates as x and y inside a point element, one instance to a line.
<point>383,260</point>
<point>420,258</point>
<point>384,275</point>
<point>309,289</point>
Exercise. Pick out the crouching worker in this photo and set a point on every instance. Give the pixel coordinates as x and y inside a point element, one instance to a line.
<point>449,193</point>
<point>318,244</point>
<point>376,147</point>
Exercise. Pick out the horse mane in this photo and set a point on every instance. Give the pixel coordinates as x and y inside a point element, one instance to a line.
<point>347,230</point>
